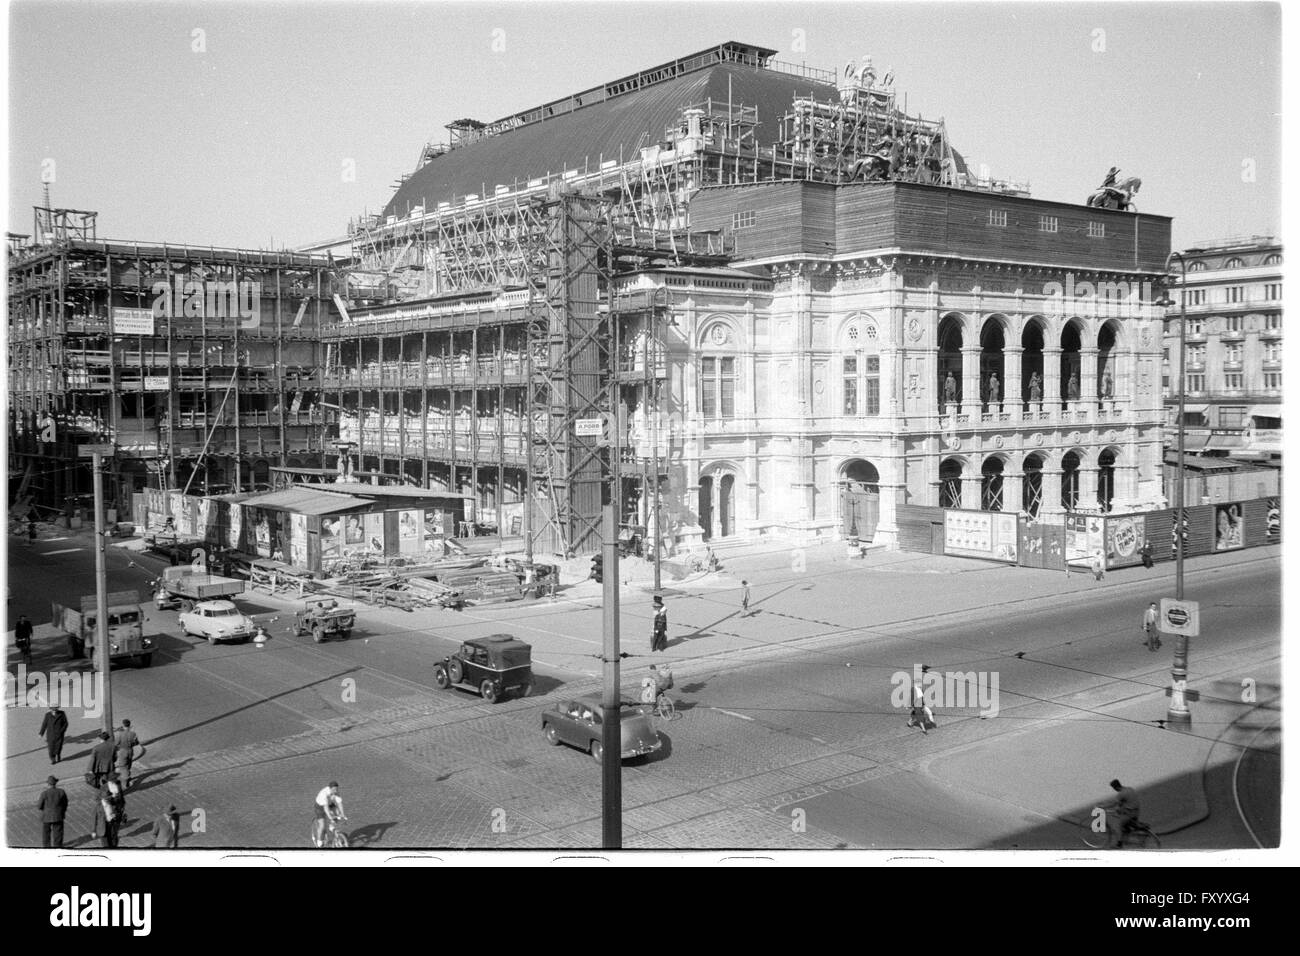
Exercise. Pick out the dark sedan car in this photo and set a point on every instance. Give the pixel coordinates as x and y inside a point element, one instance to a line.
<point>579,722</point>
<point>492,665</point>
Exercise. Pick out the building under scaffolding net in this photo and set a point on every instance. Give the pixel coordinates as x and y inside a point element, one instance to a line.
<point>199,367</point>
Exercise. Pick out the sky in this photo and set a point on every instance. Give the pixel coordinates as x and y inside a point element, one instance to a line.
<point>239,124</point>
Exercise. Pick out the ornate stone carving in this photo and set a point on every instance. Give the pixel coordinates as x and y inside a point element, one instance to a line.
<point>915,329</point>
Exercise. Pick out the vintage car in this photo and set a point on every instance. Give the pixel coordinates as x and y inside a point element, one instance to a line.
<point>578,722</point>
<point>217,621</point>
<point>492,665</point>
<point>324,618</point>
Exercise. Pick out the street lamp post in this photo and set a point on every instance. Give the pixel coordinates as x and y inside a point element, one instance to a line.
<point>1178,709</point>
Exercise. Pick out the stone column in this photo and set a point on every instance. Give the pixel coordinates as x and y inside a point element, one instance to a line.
<point>970,382</point>
<point>971,491</point>
<point>1088,487</point>
<point>1090,380</point>
<point>1011,388</point>
<point>1013,487</point>
<point>1051,493</point>
<point>1052,380</point>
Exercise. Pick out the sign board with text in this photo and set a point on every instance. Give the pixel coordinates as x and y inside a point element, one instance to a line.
<point>589,427</point>
<point>1180,617</point>
<point>133,321</point>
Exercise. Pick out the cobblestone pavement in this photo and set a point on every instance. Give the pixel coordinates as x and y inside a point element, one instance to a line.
<point>427,769</point>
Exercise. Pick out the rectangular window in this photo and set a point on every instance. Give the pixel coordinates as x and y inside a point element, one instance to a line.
<point>1232,353</point>
<point>873,384</point>
<point>727,396</point>
<point>1232,323</point>
<point>1195,326</point>
<point>1196,297</point>
<point>1196,383</point>
<point>997,217</point>
<point>1196,355</point>
<point>1048,224</point>
<point>1232,381</point>
<point>1273,322</point>
<point>1273,292</point>
<point>743,220</point>
<point>1234,294</point>
<point>851,386</point>
<point>1232,416</point>
<point>1272,351</point>
<point>709,387</point>
<point>1096,230</point>
<point>1273,381</point>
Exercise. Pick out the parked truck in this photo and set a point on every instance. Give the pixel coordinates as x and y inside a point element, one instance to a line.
<point>183,587</point>
<point>125,628</point>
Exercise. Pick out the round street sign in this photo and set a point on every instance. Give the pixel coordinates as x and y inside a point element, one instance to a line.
<point>1180,617</point>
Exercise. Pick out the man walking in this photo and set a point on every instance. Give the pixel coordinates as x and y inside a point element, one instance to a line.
<point>1145,551</point>
<point>110,812</point>
<point>54,727</point>
<point>659,642</point>
<point>101,759</point>
<point>23,638</point>
<point>744,598</point>
<point>167,830</point>
<point>127,741</point>
<point>53,805</point>
<point>1149,619</point>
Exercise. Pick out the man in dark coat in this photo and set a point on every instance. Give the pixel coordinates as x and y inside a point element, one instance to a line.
<point>54,727</point>
<point>101,758</point>
<point>167,830</point>
<point>53,805</point>
<point>110,811</point>
<point>23,638</point>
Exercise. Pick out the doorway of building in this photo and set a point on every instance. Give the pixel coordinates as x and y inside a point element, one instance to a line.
<point>727,505</point>
<point>859,499</point>
<point>706,506</point>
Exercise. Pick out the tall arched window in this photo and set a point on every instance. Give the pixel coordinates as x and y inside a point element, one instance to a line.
<point>719,371</point>
<point>860,368</point>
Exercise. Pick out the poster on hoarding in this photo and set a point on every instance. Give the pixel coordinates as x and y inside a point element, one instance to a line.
<point>262,532</point>
<point>1124,537</point>
<point>1084,537</point>
<point>1227,527</point>
<point>408,532</point>
<point>968,533</point>
<point>1005,537</point>
<point>298,540</point>
<point>374,525</point>
<point>236,529</point>
<point>1273,521</point>
<point>434,533</point>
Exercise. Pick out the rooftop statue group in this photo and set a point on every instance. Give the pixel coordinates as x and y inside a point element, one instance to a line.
<point>897,153</point>
<point>1116,193</point>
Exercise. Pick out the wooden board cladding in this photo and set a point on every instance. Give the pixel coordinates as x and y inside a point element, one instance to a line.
<point>789,218</point>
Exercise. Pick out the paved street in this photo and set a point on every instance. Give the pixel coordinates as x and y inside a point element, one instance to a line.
<point>788,737</point>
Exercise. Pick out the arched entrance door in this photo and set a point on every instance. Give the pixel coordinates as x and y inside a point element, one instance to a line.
<point>859,499</point>
<point>991,485</point>
<point>727,505</point>
<point>1070,481</point>
<point>706,506</point>
<point>1032,490</point>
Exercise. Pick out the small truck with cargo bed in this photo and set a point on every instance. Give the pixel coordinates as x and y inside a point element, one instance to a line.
<point>126,637</point>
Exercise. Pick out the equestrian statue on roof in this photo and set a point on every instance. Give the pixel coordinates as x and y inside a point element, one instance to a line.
<point>1115,193</point>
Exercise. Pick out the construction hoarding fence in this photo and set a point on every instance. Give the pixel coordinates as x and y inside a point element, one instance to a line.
<point>1081,538</point>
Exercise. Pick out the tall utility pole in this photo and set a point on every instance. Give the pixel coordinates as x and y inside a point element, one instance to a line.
<point>1178,709</point>
<point>611,766</point>
<point>102,660</point>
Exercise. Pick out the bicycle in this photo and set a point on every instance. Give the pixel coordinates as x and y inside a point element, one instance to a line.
<point>334,838</point>
<point>1140,837</point>
<point>665,707</point>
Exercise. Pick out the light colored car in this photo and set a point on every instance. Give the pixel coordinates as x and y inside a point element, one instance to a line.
<point>578,723</point>
<point>218,621</point>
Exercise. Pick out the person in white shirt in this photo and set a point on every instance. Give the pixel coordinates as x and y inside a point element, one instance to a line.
<point>329,806</point>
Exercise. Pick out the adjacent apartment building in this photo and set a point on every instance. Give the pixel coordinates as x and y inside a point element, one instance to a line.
<point>1233,300</point>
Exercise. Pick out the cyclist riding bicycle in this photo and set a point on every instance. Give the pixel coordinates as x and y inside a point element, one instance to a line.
<point>329,806</point>
<point>653,686</point>
<point>1126,807</point>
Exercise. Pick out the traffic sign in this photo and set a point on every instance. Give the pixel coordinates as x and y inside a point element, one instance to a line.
<point>589,427</point>
<point>90,451</point>
<point>1180,617</point>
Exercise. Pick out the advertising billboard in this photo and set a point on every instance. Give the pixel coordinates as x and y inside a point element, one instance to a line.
<point>981,534</point>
